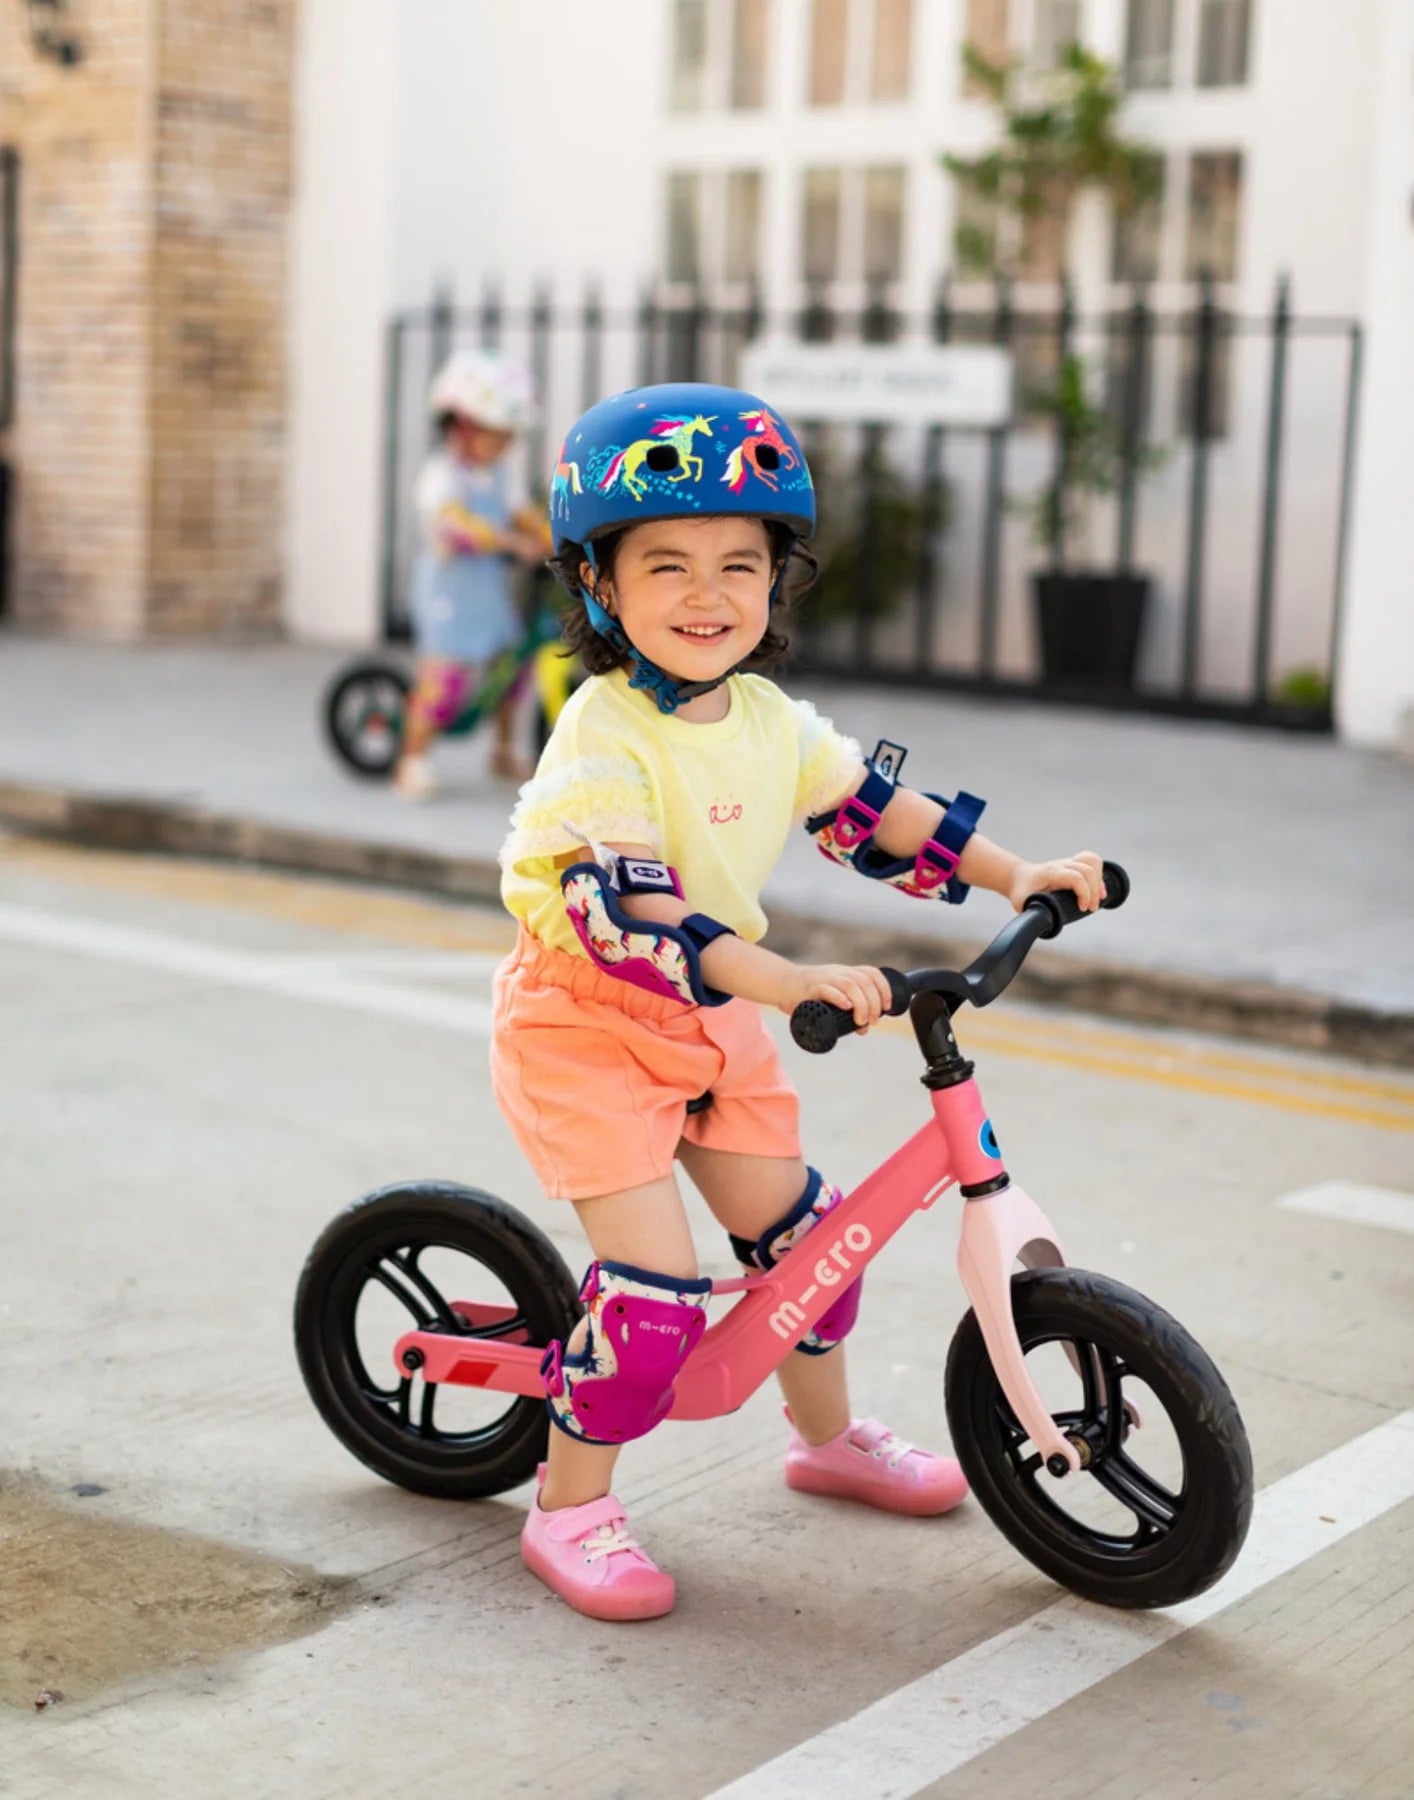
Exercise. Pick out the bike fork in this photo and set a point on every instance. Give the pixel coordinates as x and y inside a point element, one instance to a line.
<point>1001,1226</point>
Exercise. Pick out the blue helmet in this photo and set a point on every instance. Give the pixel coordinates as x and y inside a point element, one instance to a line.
<point>679,450</point>
<point>669,452</point>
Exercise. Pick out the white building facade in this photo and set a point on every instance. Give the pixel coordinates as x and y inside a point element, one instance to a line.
<point>795,145</point>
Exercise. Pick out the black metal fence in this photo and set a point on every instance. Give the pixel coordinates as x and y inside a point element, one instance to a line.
<point>1228,483</point>
<point>9,290</point>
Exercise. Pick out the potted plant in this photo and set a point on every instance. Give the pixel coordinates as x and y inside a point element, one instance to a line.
<point>1089,620</point>
<point>1060,135</point>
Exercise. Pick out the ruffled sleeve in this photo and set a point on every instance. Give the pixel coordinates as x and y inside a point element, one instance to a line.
<point>830,763</point>
<point>607,798</point>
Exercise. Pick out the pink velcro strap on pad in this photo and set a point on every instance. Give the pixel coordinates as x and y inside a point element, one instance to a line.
<point>936,865</point>
<point>855,824</point>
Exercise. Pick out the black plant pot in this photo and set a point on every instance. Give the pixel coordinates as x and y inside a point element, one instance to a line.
<point>1090,625</point>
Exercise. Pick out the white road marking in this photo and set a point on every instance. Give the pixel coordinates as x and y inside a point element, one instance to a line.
<point>1354,1201</point>
<point>915,1736</point>
<point>312,979</point>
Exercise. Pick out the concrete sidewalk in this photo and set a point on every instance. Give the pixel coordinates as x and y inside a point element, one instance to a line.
<point>1273,875</point>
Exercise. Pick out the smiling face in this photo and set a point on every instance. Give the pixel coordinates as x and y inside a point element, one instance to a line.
<point>693,595</point>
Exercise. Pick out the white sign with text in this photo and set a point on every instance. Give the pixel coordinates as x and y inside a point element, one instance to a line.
<point>864,384</point>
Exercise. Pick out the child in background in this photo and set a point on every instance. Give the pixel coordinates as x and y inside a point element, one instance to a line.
<point>635,865</point>
<point>473,524</point>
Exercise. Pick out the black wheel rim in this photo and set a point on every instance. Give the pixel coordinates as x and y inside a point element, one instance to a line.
<point>400,1409</point>
<point>1101,1429</point>
<point>368,720</point>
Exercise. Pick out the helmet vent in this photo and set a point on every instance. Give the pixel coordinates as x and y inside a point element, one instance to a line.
<point>767,457</point>
<point>661,458</point>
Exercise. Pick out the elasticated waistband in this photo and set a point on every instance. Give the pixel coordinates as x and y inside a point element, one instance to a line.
<point>534,960</point>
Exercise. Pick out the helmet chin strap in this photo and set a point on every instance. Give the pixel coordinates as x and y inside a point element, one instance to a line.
<point>668,692</point>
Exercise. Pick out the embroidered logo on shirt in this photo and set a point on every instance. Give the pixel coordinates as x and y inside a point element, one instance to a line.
<point>724,815</point>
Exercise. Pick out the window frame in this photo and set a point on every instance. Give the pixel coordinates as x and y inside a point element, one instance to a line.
<point>858,72</point>
<point>712,186</point>
<point>719,67</point>
<point>852,223</point>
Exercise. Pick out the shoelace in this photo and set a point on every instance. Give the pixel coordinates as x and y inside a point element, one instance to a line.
<point>605,1541</point>
<point>894,1448</point>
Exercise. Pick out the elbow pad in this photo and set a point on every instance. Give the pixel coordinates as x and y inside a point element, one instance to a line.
<point>662,959</point>
<point>846,834</point>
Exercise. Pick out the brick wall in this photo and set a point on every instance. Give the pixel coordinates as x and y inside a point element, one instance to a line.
<point>148,439</point>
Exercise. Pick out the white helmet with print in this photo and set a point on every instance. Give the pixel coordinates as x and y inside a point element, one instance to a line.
<point>486,387</point>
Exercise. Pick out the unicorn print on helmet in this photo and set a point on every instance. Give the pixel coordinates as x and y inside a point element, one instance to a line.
<point>670,444</point>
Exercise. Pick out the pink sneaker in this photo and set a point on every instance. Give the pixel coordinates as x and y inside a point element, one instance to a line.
<point>866,1462</point>
<point>585,1554</point>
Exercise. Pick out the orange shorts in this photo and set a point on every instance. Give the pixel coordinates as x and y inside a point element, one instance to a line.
<point>594,1075</point>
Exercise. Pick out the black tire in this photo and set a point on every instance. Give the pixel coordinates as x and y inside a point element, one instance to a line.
<point>395,1435</point>
<point>1184,1538</point>
<point>363,716</point>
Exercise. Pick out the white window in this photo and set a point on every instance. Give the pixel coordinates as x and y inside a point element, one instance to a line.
<point>892,57</point>
<point>1137,239</point>
<point>820,224</point>
<point>883,223</point>
<point>751,42</point>
<point>720,55</point>
<point>1224,30</point>
<point>852,224</point>
<point>1148,44</point>
<point>713,225</point>
<point>986,28</point>
<point>1055,27</point>
<point>1214,214</point>
<point>689,73</point>
<point>684,255</point>
<point>741,253</point>
<point>861,52</point>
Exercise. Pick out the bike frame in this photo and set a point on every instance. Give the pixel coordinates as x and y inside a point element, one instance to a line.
<point>1001,1226</point>
<point>506,674</point>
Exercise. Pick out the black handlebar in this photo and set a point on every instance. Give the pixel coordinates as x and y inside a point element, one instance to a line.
<point>817,1026</point>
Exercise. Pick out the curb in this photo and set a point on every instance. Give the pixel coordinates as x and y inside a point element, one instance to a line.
<point>1254,1009</point>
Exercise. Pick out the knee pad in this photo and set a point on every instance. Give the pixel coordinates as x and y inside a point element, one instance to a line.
<point>441,700</point>
<point>816,1203</point>
<point>641,1328</point>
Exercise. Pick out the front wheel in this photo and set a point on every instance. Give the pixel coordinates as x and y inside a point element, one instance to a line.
<point>1161,1506</point>
<point>429,1256</point>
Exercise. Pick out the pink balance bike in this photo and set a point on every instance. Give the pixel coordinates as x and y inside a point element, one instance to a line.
<point>1097,1435</point>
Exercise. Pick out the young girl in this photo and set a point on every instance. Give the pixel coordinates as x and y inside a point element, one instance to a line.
<point>664,798</point>
<point>463,612</point>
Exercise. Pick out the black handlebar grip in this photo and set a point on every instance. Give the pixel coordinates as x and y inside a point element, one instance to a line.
<point>1062,907</point>
<point>817,1026</point>
<point>1116,887</point>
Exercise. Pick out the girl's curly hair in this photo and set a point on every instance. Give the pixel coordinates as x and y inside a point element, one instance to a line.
<point>599,656</point>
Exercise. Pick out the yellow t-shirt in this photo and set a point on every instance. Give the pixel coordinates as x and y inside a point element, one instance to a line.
<point>715,801</point>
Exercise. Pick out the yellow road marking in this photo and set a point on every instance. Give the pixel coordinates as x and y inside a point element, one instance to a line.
<point>297,899</point>
<point>1104,1040</point>
<point>1161,1076</point>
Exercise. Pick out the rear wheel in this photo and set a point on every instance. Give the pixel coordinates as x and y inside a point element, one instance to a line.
<point>363,716</point>
<point>1161,1507</point>
<point>397,1261</point>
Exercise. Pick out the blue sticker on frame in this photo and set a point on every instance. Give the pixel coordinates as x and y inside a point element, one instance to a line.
<point>987,1138</point>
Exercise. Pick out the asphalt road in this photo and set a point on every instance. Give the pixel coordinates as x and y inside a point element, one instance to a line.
<point>200,1066</point>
